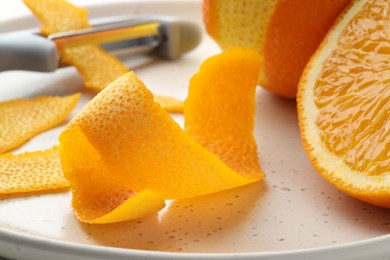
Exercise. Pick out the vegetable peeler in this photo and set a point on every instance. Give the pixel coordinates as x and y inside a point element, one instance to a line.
<point>168,37</point>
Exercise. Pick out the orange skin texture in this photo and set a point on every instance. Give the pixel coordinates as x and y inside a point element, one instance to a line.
<point>220,107</point>
<point>292,38</point>
<point>31,172</point>
<point>137,155</point>
<point>292,33</point>
<point>209,19</point>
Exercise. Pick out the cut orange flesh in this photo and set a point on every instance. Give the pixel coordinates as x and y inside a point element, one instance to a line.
<point>21,119</point>
<point>285,33</point>
<point>124,149</point>
<point>97,67</point>
<point>31,172</point>
<point>344,103</point>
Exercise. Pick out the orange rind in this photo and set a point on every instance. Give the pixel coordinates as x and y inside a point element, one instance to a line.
<point>123,148</point>
<point>169,104</point>
<point>22,119</point>
<point>220,108</point>
<point>31,172</point>
<point>344,104</point>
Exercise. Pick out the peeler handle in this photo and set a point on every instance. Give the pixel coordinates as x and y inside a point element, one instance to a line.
<point>25,50</point>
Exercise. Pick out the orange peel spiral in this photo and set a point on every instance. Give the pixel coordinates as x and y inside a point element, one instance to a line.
<point>123,149</point>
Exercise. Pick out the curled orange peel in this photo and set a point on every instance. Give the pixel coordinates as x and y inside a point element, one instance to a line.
<point>22,119</point>
<point>125,155</point>
<point>31,172</point>
<point>220,108</point>
<point>98,195</point>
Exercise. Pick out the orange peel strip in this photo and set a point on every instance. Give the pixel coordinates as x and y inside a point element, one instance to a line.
<point>170,104</point>
<point>134,147</point>
<point>97,67</point>
<point>31,172</point>
<point>220,108</point>
<point>21,119</point>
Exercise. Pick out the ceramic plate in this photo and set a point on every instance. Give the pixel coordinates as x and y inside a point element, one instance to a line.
<point>292,214</point>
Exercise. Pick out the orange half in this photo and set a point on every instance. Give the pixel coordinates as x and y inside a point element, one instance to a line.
<point>344,103</point>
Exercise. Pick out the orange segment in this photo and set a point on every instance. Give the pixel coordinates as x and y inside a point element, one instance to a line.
<point>220,108</point>
<point>31,172</point>
<point>22,119</point>
<point>132,145</point>
<point>344,104</point>
<point>169,104</point>
<point>97,67</point>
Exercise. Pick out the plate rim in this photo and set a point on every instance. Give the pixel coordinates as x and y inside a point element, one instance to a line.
<point>56,245</point>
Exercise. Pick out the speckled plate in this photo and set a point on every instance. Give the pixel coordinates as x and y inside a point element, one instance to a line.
<point>292,214</point>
